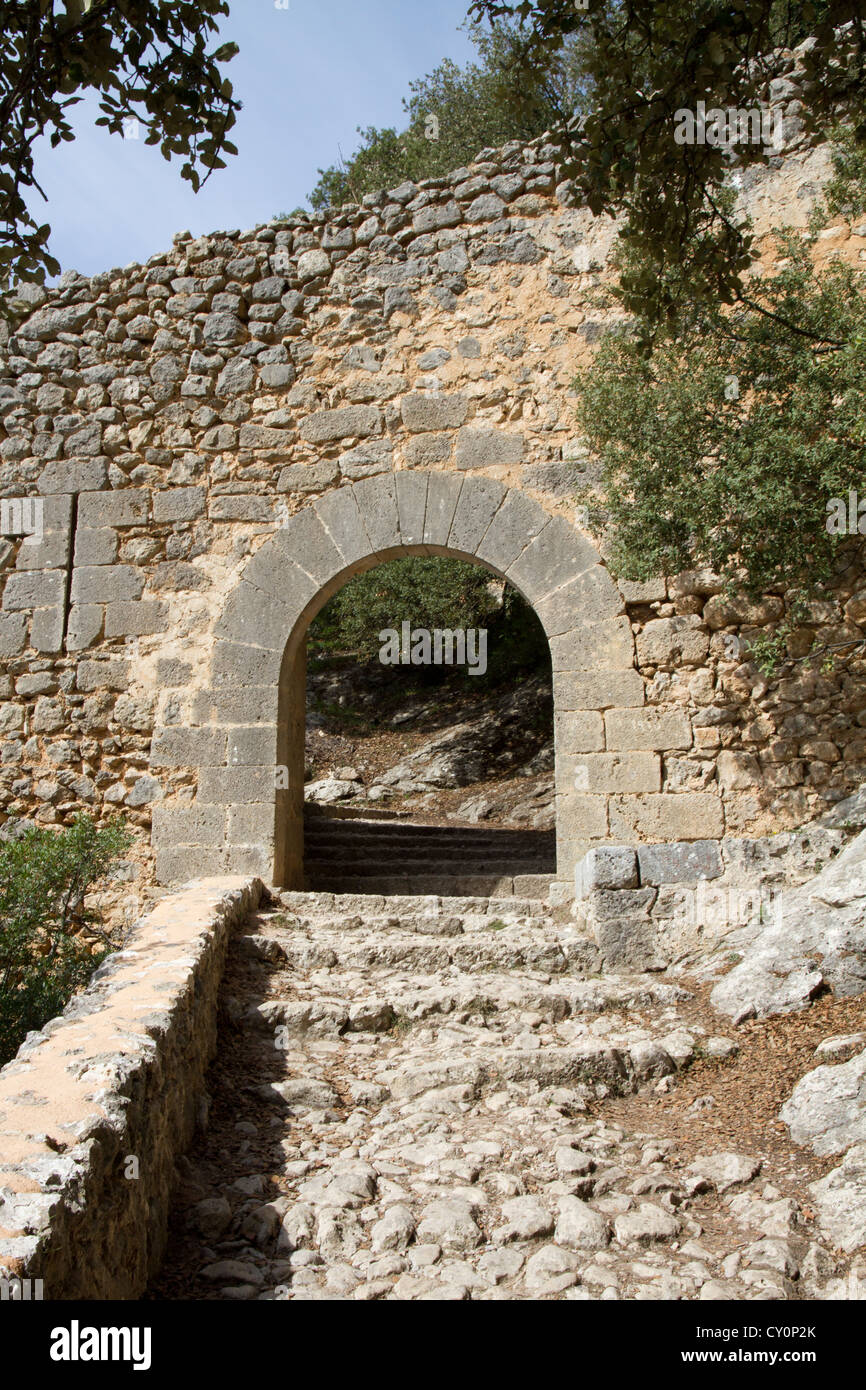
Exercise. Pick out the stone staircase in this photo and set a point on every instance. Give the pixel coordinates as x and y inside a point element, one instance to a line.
<point>398,858</point>
<point>407,1104</point>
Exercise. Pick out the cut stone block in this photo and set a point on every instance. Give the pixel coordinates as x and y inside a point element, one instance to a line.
<point>136,619</point>
<point>657,729</point>
<point>613,772</point>
<point>602,646</point>
<point>609,867</point>
<point>668,816</point>
<point>598,690</point>
<point>443,491</point>
<point>679,863</point>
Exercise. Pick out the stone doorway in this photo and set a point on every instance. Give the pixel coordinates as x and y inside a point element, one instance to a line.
<point>258,671</point>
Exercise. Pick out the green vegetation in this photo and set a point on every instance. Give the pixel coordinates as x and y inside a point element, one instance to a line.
<point>453,113</point>
<point>431,592</point>
<point>642,61</point>
<point>723,446</point>
<point>49,942</point>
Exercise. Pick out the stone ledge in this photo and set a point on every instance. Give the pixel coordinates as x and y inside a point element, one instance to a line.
<point>118,1076</point>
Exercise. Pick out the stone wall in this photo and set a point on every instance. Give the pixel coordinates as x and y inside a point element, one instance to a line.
<point>181,418</point>
<point>652,906</point>
<point>96,1108</point>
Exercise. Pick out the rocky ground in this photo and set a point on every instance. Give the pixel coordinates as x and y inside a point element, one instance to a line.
<point>434,1099</point>
<point>456,751</point>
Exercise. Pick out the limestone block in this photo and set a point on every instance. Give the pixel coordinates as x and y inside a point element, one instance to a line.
<point>235,665</point>
<point>629,944</point>
<point>349,422</point>
<point>229,786</point>
<point>49,553</point>
<point>255,619</point>
<point>253,747</point>
<point>73,475</point>
<point>652,591</point>
<point>308,477</point>
<point>479,501</point>
<point>254,704</point>
<point>478,448</point>
<point>179,746</point>
<point>581,817</point>
<point>13,633</point>
<point>188,825</point>
<point>274,572</point>
<point>251,824</point>
<point>578,731</point>
<point>411,506</point>
<point>613,772</point>
<point>591,597</point>
<point>602,646</point>
<point>36,589</point>
<point>342,520</point>
<point>309,544</point>
<point>46,629</point>
<point>136,619</point>
<point>175,865</point>
<point>249,859</point>
<point>84,627</point>
<point>575,690</point>
<point>443,491</point>
<point>95,547</point>
<point>667,816</point>
<point>120,507</point>
<point>244,507</point>
<point>659,729</point>
<point>102,675</point>
<point>422,413</point>
<point>679,863</point>
<point>106,583</point>
<point>671,642</point>
<point>556,556</point>
<point>609,867</point>
<point>422,450</point>
<point>517,522</point>
<point>377,503</point>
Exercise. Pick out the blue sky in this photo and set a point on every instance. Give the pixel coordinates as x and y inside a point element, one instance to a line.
<point>308,76</point>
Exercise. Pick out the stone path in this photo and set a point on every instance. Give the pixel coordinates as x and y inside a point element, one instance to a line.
<point>409,1103</point>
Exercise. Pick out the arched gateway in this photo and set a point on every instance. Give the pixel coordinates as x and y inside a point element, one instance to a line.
<point>243,820</point>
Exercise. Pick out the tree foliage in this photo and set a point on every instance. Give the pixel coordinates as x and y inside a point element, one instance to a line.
<point>50,943</point>
<point>430,592</point>
<point>454,112</point>
<point>641,62</point>
<point>724,445</point>
<point>149,60</point>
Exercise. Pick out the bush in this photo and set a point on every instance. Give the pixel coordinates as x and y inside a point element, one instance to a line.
<point>49,942</point>
<point>431,592</point>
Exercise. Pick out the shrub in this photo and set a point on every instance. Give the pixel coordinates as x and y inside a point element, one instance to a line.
<point>49,942</point>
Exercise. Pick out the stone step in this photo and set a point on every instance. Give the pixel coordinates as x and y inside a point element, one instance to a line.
<point>375,829</point>
<point>519,947</point>
<point>357,865</point>
<point>498,999</point>
<point>353,831</point>
<point>424,885</point>
<point>314,905</point>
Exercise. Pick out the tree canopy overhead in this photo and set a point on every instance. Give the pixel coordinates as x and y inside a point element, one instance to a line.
<point>642,62</point>
<point>150,60</point>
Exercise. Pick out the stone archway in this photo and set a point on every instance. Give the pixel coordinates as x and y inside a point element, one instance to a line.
<point>252,718</point>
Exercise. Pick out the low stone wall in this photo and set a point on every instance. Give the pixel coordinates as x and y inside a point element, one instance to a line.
<point>96,1108</point>
<point>650,905</point>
